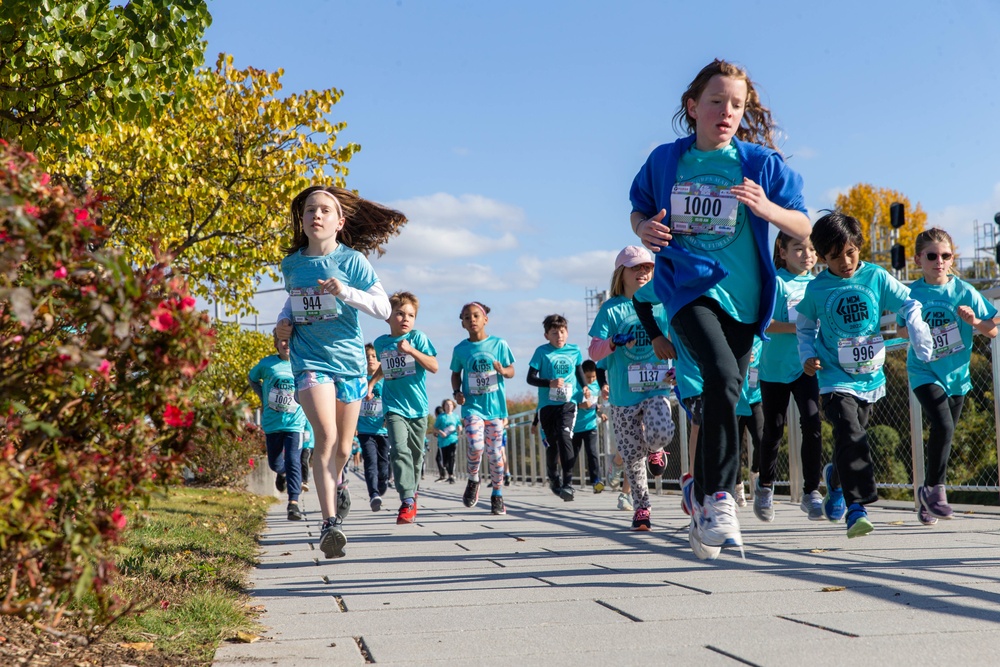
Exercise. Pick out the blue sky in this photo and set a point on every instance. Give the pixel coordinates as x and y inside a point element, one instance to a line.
<point>509,132</point>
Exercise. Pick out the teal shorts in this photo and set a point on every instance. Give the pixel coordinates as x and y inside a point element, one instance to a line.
<point>349,390</point>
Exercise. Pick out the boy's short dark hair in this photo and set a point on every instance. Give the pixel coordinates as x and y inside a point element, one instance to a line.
<point>588,366</point>
<point>369,346</point>
<point>554,322</point>
<point>834,231</point>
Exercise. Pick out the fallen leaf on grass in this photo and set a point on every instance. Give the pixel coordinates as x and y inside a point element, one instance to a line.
<point>259,608</point>
<point>245,638</point>
<point>832,589</point>
<point>138,646</point>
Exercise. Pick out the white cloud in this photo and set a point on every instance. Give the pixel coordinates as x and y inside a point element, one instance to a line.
<point>586,269</point>
<point>422,242</point>
<point>440,279</point>
<point>443,209</point>
<point>830,195</point>
<point>958,221</point>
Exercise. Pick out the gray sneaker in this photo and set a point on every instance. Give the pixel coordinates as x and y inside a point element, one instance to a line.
<point>812,504</point>
<point>763,501</point>
<point>343,502</point>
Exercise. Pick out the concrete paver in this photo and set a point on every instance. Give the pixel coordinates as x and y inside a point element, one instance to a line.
<point>556,583</point>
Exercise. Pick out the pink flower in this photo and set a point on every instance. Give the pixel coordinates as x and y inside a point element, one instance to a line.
<point>251,461</point>
<point>200,469</point>
<point>187,304</point>
<point>105,368</point>
<point>3,235</point>
<point>174,416</point>
<point>43,179</point>
<point>162,320</point>
<point>60,272</point>
<point>118,519</point>
<point>80,214</point>
<point>32,210</point>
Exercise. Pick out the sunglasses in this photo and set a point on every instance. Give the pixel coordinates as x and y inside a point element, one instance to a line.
<point>946,256</point>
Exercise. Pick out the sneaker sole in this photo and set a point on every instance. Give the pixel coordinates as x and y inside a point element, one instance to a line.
<point>860,528</point>
<point>295,517</point>
<point>376,504</point>
<point>567,496</point>
<point>333,543</point>
<point>641,529</point>
<point>931,512</point>
<point>700,550</point>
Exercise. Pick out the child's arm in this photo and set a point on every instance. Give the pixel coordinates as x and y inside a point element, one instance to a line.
<point>919,332</point>
<point>805,332</point>
<point>429,362</point>
<point>258,388</point>
<point>372,381</point>
<point>792,222</point>
<point>456,387</point>
<point>506,371</point>
<point>535,380</point>
<point>602,382</point>
<point>373,301</point>
<point>283,329</point>
<point>985,327</point>
<point>581,381</point>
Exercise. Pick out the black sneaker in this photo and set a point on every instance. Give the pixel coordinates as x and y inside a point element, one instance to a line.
<point>567,493</point>
<point>294,513</point>
<point>332,539</point>
<point>471,496</point>
<point>497,506</point>
<point>556,487</point>
<point>451,480</point>
<point>506,479</point>
<point>279,482</point>
<point>343,502</point>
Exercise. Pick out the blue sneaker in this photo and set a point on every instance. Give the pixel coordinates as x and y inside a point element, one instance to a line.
<point>834,507</point>
<point>857,521</point>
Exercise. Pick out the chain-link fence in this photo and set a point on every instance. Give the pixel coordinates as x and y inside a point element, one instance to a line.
<point>896,431</point>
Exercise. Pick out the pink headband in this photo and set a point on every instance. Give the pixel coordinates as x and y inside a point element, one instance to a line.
<point>477,305</point>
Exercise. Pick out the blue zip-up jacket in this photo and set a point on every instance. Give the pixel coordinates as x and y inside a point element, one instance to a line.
<point>681,276</point>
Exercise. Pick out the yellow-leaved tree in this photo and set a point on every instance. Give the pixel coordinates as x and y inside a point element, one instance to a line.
<point>869,203</point>
<point>212,182</point>
<point>236,351</point>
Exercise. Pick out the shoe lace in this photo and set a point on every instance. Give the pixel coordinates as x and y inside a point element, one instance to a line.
<point>641,515</point>
<point>656,458</point>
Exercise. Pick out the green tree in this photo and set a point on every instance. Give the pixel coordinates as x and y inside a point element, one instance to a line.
<point>210,183</point>
<point>869,203</point>
<point>236,351</point>
<point>68,66</point>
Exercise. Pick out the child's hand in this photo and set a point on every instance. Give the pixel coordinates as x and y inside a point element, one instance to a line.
<point>283,330</point>
<point>555,384</point>
<point>534,429</point>
<point>333,286</point>
<point>586,393</point>
<point>620,339</point>
<point>605,393</point>
<point>663,348</point>
<point>460,398</point>
<point>604,417</point>
<point>752,196</point>
<point>370,395</point>
<point>654,234</point>
<point>404,347</point>
<point>968,315</point>
<point>811,366</point>
<point>498,367</point>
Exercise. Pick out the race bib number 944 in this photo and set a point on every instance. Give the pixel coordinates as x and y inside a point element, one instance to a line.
<point>312,304</point>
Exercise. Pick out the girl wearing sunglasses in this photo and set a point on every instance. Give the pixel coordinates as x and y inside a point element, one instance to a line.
<point>954,310</point>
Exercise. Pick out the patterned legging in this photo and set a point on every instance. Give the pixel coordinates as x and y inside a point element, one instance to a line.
<point>488,434</point>
<point>640,430</point>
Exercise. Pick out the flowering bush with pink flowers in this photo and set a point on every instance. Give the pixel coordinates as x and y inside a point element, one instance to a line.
<point>97,406</point>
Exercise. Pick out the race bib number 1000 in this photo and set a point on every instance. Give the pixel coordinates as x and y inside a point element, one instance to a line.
<point>700,208</point>
<point>312,304</point>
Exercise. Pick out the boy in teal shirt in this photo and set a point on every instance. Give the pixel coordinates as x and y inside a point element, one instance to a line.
<point>283,422</point>
<point>406,356</point>
<point>588,414</point>
<point>839,339</point>
<point>556,370</point>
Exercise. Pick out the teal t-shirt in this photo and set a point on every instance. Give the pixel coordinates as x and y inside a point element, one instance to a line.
<point>780,356</point>
<point>750,391</point>
<point>553,363</point>
<point>405,390</point>
<point>280,411</point>
<point>634,373</point>
<point>327,335</point>
<point>700,175</point>
<point>482,386</point>
<point>849,310</point>
<point>447,423</point>
<point>371,421</point>
<point>308,439</point>
<point>687,375</point>
<point>952,336</point>
<point>586,413</point>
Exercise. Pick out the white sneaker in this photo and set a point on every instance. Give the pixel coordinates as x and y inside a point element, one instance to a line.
<point>717,523</point>
<point>741,496</point>
<point>701,550</point>
<point>624,502</point>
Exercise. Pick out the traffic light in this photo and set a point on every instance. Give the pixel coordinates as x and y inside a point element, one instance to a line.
<point>996,218</point>
<point>897,217</point>
<point>898,254</point>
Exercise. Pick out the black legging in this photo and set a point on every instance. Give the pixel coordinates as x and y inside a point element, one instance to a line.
<point>774,397</point>
<point>754,425</point>
<point>721,347</point>
<point>448,459</point>
<point>942,411</point>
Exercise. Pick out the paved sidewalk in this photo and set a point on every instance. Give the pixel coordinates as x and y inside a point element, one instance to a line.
<point>556,583</point>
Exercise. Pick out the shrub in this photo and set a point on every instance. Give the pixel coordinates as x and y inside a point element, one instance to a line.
<point>96,406</point>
